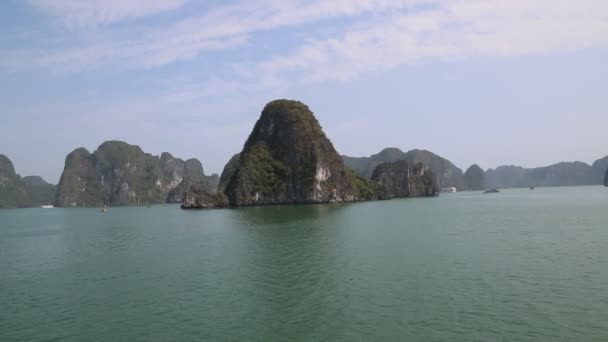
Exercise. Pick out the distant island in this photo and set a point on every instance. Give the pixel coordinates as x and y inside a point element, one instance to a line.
<point>286,159</point>
<point>121,174</point>
<point>508,176</point>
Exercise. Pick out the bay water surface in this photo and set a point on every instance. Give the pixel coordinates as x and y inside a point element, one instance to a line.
<point>519,265</point>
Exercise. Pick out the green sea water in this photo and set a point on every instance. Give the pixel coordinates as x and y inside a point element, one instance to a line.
<point>520,265</point>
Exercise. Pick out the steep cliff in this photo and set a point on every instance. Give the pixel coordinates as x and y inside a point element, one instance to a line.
<point>118,173</point>
<point>447,174</point>
<point>398,179</point>
<point>606,178</point>
<point>288,159</point>
<point>474,178</point>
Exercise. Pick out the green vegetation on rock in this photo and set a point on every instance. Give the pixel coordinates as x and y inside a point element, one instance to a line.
<point>398,179</point>
<point>288,159</point>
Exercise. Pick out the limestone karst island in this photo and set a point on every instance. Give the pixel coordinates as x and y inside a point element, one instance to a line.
<point>287,159</point>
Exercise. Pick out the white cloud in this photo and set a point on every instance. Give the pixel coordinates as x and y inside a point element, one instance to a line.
<point>76,13</point>
<point>391,33</point>
<point>457,29</point>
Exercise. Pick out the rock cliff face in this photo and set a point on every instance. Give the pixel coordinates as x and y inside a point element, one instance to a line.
<point>474,178</point>
<point>447,174</point>
<point>400,180</point>
<point>288,159</point>
<point>606,178</point>
<point>120,174</point>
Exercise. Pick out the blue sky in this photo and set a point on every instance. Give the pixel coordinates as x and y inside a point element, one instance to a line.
<point>487,82</point>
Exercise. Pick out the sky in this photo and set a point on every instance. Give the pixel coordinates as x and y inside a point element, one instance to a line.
<point>492,82</point>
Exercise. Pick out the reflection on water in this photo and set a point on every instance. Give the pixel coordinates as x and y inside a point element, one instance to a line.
<point>286,214</point>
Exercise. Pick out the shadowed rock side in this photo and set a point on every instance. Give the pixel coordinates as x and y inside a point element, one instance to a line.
<point>288,159</point>
<point>474,178</point>
<point>121,174</point>
<point>228,172</point>
<point>599,168</point>
<point>199,197</point>
<point>606,178</point>
<point>447,174</point>
<point>399,180</point>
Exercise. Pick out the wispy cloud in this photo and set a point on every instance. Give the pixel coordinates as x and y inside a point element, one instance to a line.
<point>393,33</point>
<point>219,28</point>
<point>78,13</point>
<point>457,29</point>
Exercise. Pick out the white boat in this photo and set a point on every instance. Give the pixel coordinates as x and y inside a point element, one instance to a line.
<point>452,189</point>
<point>47,206</point>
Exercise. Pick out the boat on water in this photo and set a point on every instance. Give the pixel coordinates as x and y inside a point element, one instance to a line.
<point>451,189</point>
<point>491,191</point>
<point>104,209</point>
<point>47,206</point>
<point>531,188</point>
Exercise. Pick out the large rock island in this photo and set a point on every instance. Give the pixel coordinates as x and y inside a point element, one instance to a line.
<point>118,173</point>
<point>289,159</point>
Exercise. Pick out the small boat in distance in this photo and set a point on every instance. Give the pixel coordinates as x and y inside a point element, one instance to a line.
<point>452,189</point>
<point>532,188</point>
<point>491,191</point>
<point>104,209</point>
<point>47,206</point>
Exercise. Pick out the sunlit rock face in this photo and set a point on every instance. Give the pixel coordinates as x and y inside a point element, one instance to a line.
<point>118,173</point>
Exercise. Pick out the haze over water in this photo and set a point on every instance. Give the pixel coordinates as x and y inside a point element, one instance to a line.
<point>520,265</point>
